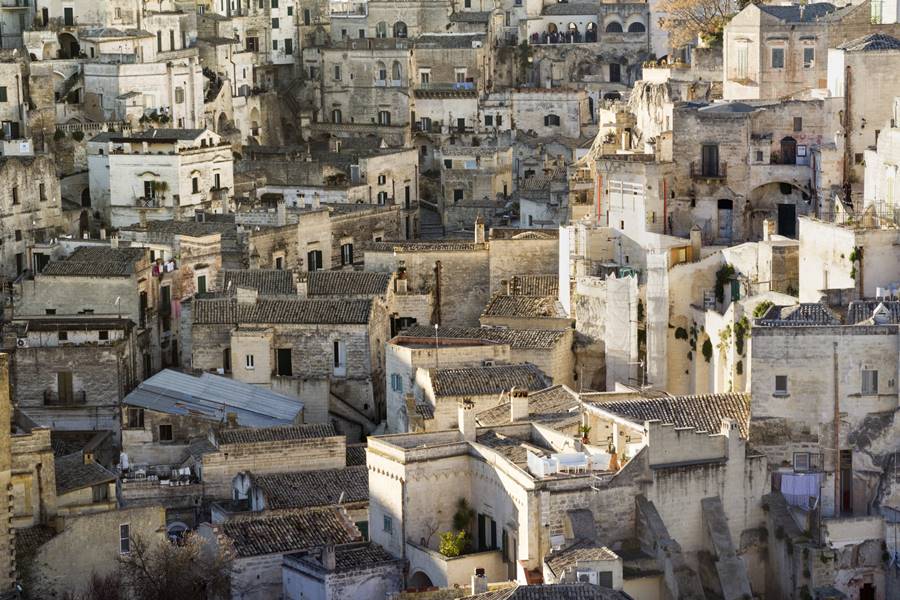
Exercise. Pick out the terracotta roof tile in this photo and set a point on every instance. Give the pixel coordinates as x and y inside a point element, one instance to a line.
<point>250,435</point>
<point>290,532</point>
<point>479,381</point>
<point>72,473</point>
<point>532,307</point>
<point>581,550</point>
<point>552,406</point>
<point>299,310</point>
<point>305,489</point>
<point>704,412</point>
<point>347,283</point>
<point>517,338</point>
<point>268,282</point>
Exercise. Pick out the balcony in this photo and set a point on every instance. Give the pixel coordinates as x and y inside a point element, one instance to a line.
<point>151,202</point>
<point>709,171</point>
<point>445,571</point>
<point>52,398</point>
<point>348,9</point>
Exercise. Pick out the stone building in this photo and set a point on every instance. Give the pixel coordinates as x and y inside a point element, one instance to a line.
<point>360,570</point>
<point>260,543</point>
<point>159,174</point>
<point>32,213</point>
<point>7,534</point>
<point>71,372</point>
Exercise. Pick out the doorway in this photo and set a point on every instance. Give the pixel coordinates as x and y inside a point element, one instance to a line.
<point>724,219</point>
<point>787,220</point>
<point>788,151</point>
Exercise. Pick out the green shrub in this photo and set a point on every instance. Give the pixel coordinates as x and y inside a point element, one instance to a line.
<point>453,543</point>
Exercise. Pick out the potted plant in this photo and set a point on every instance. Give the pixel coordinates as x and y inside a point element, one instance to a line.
<point>585,431</point>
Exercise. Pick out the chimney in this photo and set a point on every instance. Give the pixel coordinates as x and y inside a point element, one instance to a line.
<point>281,213</point>
<point>518,404</point>
<point>401,284</point>
<point>479,582</point>
<point>696,242</point>
<point>231,419</point>
<point>103,233</point>
<point>114,242</point>
<point>466,418</point>
<point>768,229</point>
<point>246,295</point>
<point>302,280</point>
<point>328,559</point>
<point>479,230</point>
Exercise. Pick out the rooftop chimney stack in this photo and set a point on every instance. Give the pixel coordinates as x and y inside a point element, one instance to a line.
<point>466,416</point>
<point>479,582</point>
<point>302,281</point>
<point>479,230</point>
<point>328,559</point>
<point>231,419</point>
<point>696,242</point>
<point>518,404</point>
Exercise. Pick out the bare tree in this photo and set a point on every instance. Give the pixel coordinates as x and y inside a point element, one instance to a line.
<point>163,571</point>
<point>686,20</point>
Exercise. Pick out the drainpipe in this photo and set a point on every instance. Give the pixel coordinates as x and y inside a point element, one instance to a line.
<point>837,435</point>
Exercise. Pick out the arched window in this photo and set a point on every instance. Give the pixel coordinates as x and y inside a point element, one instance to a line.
<point>551,120</point>
<point>396,73</point>
<point>399,29</point>
<point>591,33</point>
<point>614,27</point>
<point>381,30</point>
<point>636,27</point>
<point>336,115</point>
<point>380,71</point>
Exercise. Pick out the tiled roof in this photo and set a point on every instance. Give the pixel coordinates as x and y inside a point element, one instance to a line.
<point>267,282</point>
<point>479,381</point>
<point>552,406</point>
<point>531,307</point>
<point>72,473</point>
<point>469,16</point>
<point>248,435</point>
<point>290,532</point>
<point>305,489</point>
<point>188,228</point>
<point>446,93</point>
<point>512,448</point>
<point>425,410</point>
<point>96,261</point>
<point>704,412</point>
<point>349,557</point>
<point>871,42</point>
<point>519,339</point>
<point>356,455</point>
<point>798,315</point>
<point>579,551</point>
<point>299,310</point>
<point>534,285</point>
<point>347,283</point>
<point>571,8</point>
<point>559,591</point>
<point>862,312</point>
<point>797,13</point>
<point>29,540</point>
<point>421,246</point>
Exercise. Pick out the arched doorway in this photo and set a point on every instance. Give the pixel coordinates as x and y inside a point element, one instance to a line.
<point>591,33</point>
<point>86,198</point>
<point>221,123</point>
<point>84,223</point>
<point>420,581</point>
<point>399,29</point>
<point>778,201</point>
<point>788,151</point>
<point>724,216</point>
<point>68,46</point>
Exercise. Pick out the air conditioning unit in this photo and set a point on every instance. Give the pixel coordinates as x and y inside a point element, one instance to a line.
<point>21,342</point>
<point>587,577</point>
<point>487,363</point>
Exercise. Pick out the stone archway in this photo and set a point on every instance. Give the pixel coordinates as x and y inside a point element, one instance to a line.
<point>221,123</point>
<point>779,201</point>
<point>420,581</point>
<point>68,46</point>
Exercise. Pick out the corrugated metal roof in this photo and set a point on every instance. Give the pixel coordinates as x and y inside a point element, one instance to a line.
<point>212,397</point>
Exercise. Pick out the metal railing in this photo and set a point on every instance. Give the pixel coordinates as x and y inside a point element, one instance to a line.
<point>53,398</point>
<point>701,170</point>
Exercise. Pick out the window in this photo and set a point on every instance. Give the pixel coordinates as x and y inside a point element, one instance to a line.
<point>124,539</point>
<point>3,93</point>
<point>396,382</point>
<point>336,116</point>
<point>100,493</point>
<point>388,524</point>
<point>869,382</point>
<point>458,194</point>
<point>42,192</point>
<point>384,117</point>
<point>382,197</point>
<point>290,11</point>
<point>274,3</point>
<point>777,58</point>
<point>381,30</point>
<point>64,336</point>
<point>499,120</point>
<point>468,3</point>
<point>759,156</point>
<point>424,77</point>
<point>288,46</point>
<point>195,184</point>
<point>274,44</point>
<point>165,433</point>
<point>171,39</point>
<point>339,357</point>
<point>460,75</point>
<point>18,235</point>
<point>809,58</point>
<point>551,120</point>
<point>742,61</point>
<point>201,284</point>
<point>15,194</point>
<point>249,361</point>
<point>337,72</point>
<point>275,23</point>
<point>279,263</point>
<point>781,385</point>
<point>314,260</point>
<point>307,17</point>
<point>380,71</point>
<point>346,254</point>
<point>709,160</point>
<point>135,418</point>
<point>103,335</point>
<point>488,120</point>
<point>382,179</point>
<point>798,123</point>
<point>615,72</point>
<point>284,362</point>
